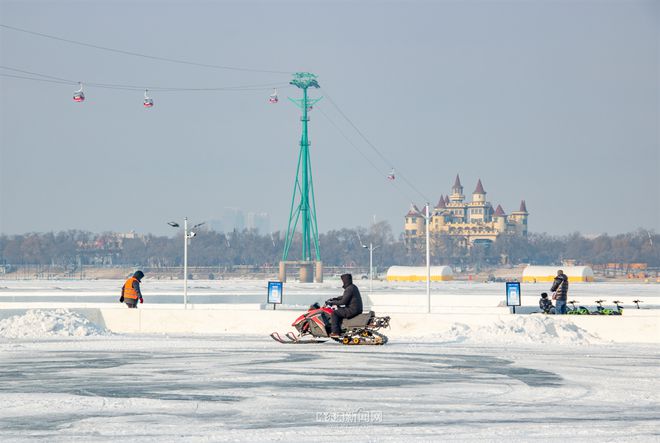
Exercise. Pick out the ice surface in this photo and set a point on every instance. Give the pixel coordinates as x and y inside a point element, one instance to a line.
<point>247,388</point>
<point>36,323</point>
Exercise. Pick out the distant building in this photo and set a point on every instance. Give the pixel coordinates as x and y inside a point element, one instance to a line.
<point>258,221</point>
<point>471,222</point>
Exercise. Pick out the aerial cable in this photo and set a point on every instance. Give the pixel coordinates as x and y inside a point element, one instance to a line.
<point>138,54</point>
<point>372,146</point>
<point>60,80</point>
<point>376,168</point>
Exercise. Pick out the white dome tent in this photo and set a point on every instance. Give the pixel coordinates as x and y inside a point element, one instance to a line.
<point>418,273</point>
<point>538,274</point>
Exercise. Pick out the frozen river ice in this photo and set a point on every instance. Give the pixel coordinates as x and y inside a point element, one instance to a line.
<point>249,388</point>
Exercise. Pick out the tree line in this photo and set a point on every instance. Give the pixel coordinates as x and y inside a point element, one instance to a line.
<point>343,247</point>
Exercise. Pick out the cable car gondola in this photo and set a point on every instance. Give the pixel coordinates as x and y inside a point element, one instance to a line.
<point>273,97</point>
<point>79,95</point>
<point>391,175</point>
<point>148,102</point>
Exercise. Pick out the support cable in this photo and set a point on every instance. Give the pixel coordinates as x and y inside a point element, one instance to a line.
<point>372,145</point>
<point>142,55</point>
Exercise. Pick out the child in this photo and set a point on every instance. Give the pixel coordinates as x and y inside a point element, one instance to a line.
<point>545,304</point>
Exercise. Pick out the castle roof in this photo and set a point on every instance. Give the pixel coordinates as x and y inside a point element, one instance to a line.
<point>480,188</point>
<point>446,199</point>
<point>441,204</point>
<point>499,212</point>
<point>457,182</point>
<point>413,210</point>
<point>523,206</point>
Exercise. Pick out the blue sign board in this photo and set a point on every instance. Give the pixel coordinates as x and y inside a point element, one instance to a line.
<point>513,293</point>
<point>275,292</point>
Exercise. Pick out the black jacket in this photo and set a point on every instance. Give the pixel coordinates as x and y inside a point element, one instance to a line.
<point>545,304</point>
<point>351,297</point>
<point>560,285</point>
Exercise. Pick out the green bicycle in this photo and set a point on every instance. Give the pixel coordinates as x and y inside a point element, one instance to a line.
<point>580,310</point>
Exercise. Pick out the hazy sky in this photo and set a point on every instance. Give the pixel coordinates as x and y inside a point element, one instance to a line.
<point>554,102</point>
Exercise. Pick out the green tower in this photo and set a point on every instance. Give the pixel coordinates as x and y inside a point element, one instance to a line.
<point>303,207</point>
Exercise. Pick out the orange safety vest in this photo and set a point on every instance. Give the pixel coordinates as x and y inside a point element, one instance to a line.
<point>128,290</point>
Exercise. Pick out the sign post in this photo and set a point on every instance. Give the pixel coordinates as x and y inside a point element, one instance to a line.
<point>513,294</point>
<point>275,293</point>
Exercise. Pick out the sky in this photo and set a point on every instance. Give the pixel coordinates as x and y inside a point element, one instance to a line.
<point>553,102</point>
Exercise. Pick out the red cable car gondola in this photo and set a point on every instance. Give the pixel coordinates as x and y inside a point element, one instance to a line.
<point>148,102</point>
<point>79,95</point>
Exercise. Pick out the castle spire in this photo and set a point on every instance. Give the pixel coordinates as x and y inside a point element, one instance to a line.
<point>523,206</point>
<point>480,188</point>
<point>413,210</point>
<point>457,191</point>
<point>441,203</point>
<point>499,212</point>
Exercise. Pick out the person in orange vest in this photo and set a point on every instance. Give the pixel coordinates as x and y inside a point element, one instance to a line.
<point>130,292</point>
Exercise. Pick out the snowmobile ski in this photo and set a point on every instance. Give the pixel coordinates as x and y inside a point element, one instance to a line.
<point>291,339</point>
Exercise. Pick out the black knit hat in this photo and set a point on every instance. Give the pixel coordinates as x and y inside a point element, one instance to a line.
<point>138,275</point>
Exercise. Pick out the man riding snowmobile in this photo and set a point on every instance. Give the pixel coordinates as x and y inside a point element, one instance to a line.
<point>349,305</point>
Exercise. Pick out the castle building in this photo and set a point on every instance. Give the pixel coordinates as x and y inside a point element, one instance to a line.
<point>471,222</point>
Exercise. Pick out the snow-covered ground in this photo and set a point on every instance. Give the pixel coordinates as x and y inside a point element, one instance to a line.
<point>249,388</point>
<point>529,378</point>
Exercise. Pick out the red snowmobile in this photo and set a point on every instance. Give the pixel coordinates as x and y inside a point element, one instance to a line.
<point>314,327</point>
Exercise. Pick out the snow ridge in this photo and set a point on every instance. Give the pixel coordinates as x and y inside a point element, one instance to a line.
<point>37,323</point>
<point>522,329</point>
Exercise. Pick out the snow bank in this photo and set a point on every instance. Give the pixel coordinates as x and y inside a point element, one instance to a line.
<point>522,329</point>
<point>37,323</point>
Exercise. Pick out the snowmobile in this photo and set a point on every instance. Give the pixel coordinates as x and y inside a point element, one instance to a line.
<point>314,327</point>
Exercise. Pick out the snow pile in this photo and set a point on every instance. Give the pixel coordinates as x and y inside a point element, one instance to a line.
<point>37,323</point>
<point>522,329</point>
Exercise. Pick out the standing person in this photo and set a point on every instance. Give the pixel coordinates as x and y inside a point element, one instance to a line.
<point>349,304</point>
<point>560,289</point>
<point>130,292</point>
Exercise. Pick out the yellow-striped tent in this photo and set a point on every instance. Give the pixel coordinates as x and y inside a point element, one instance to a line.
<point>418,273</point>
<point>537,274</point>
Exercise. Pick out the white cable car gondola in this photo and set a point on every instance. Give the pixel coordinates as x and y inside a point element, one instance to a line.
<point>79,95</point>
<point>391,175</point>
<point>273,97</point>
<point>148,102</point>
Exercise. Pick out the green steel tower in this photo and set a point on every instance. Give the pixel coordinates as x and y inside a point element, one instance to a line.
<point>303,208</point>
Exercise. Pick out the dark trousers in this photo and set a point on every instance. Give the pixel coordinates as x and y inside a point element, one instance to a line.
<point>132,304</point>
<point>338,316</point>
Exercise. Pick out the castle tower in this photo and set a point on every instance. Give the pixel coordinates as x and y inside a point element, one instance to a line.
<point>441,203</point>
<point>499,219</point>
<point>479,195</point>
<point>519,218</point>
<point>414,222</point>
<point>457,191</point>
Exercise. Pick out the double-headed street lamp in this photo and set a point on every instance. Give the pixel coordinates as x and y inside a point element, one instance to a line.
<point>187,235</point>
<point>371,248</point>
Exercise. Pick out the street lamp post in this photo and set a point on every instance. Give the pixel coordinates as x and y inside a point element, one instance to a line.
<point>371,248</point>
<point>186,238</point>
<point>427,217</point>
